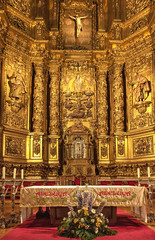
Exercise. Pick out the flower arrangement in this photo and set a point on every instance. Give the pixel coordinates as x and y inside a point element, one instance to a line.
<point>87,223</point>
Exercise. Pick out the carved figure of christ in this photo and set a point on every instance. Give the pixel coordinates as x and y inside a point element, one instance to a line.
<point>78,24</point>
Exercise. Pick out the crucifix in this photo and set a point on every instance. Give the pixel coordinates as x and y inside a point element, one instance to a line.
<point>78,24</point>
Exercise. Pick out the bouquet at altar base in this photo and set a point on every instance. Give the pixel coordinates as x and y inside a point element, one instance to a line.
<point>86,223</point>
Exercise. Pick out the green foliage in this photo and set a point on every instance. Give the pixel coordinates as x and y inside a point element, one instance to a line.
<point>86,225</point>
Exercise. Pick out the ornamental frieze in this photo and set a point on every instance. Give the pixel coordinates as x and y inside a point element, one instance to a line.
<point>143,146</point>
<point>21,5</point>
<point>19,24</point>
<point>135,6</point>
<point>15,146</point>
<point>136,26</point>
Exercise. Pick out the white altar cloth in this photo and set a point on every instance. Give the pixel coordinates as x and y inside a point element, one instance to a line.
<point>56,196</point>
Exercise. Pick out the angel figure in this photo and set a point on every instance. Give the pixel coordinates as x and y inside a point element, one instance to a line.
<point>78,24</point>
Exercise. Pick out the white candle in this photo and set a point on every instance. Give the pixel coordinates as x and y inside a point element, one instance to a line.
<point>14,173</point>
<point>148,172</point>
<point>3,173</point>
<point>22,173</point>
<point>138,172</point>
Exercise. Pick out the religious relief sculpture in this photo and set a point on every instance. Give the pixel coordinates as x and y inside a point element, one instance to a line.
<point>143,146</point>
<point>78,24</point>
<point>15,146</point>
<point>17,92</point>
<point>141,88</point>
<point>78,99</point>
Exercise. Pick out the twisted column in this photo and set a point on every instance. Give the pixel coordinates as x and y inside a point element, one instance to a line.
<point>102,103</point>
<point>118,99</point>
<point>54,104</point>
<point>38,99</point>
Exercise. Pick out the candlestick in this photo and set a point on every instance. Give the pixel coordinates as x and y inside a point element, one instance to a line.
<point>14,173</point>
<point>138,172</point>
<point>148,172</point>
<point>3,173</point>
<point>22,173</point>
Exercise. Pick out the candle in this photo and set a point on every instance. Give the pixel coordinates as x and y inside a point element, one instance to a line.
<point>3,173</point>
<point>148,172</point>
<point>22,173</point>
<point>14,173</point>
<point>138,172</point>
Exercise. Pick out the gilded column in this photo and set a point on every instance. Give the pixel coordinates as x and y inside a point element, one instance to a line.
<point>102,104</point>
<point>118,98</point>
<point>102,113</point>
<point>38,114</point>
<point>54,109</point>
<point>38,99</point>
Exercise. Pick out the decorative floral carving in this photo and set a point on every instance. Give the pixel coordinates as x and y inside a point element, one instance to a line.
<point>53,147</point>
<point>54,104</point>
<point>104,148</point>
<point>135,6</point>
<point>136,26</point>
<point>118,93</point>
<point>22,5</point>
<point>38,104</point>
<point>36,145</point>
<point>102,103</point>
<point>19,23</point>
<point>121,145</point>
<point>15,146</point>
<point>41,30</point>
<point>143,146</point>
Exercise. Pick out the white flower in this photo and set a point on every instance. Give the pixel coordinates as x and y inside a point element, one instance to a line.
<point>79,210</point>
<point>93,210</point>
<point>96,230</point>
<point>92,220</point>
<point>64,219</point>
<point>69,214</point>
<point>101,214</point>
<point>82,219</point>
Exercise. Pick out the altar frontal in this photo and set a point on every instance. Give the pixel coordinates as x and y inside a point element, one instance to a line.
<point>57,195</point>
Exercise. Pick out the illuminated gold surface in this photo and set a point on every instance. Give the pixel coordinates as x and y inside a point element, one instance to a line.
<point>60,89</point>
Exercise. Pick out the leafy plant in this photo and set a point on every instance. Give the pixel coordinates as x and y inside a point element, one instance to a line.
<point>86,223</point>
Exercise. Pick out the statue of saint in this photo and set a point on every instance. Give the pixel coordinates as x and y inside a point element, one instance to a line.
<point>78,24</point>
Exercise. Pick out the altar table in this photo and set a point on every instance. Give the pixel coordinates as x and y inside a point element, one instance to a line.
<point>56,196</point>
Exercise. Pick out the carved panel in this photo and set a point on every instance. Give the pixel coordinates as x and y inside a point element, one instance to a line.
<point>36,145</point>
<point>17,72</point>
<point>121,145</point>
<point>78,92</point>
<point>21,5</point>
<point>19,23</point>
<point>103,144</point>
<point>137,25</point>
<point>15,146</point>
<point>143,146</point>
<point>38,106</point>
<point>135,6</point>
<point>53,148</point>
<point>139,77</point>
